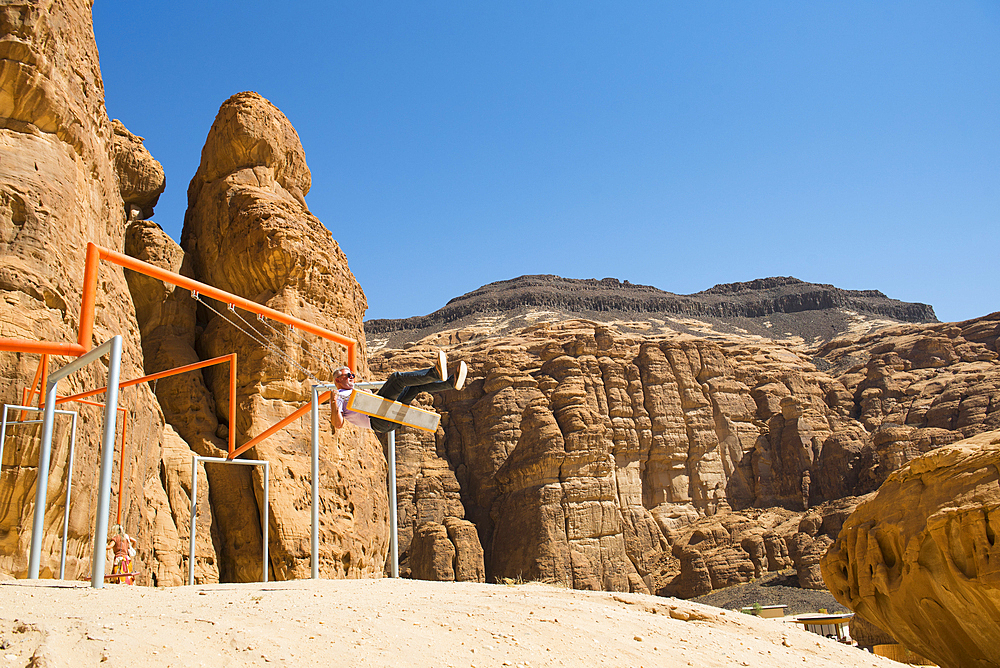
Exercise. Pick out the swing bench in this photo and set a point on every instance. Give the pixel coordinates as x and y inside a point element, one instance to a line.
<point>373,405</point>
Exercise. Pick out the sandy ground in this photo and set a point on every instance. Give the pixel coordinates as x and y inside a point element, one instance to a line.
<point>47,624</point>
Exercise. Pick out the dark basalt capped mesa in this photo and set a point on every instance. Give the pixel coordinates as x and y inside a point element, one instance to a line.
<point>773,307</point>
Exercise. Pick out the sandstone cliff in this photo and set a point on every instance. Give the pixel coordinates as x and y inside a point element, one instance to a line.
<point>69,176</point>
<point>58,191</point>
<point>920,558</point>
<point>601,457</point>
<point>248,232</point>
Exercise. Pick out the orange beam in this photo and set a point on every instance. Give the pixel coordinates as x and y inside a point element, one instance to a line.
<point>42,347</point>
<point>232,406</point>
<point>215,293</point>
<point>231,358</point>
<point>121,468</point>
<point>276,428</point>
<point>156,376</point>
<point>88,305</point>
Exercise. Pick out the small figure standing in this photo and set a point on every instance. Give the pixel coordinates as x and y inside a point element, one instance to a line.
<point>123,547</point>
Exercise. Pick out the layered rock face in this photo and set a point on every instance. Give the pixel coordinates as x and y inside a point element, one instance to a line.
<point>920,558</point>
<point>607,459</point>
<point>141,180</point>
<point>58,191</point>
<point>248,231</point>
<point>69,176</point>
<point>776,307</point>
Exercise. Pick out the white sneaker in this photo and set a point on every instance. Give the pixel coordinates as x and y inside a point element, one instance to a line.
<point>458,381</point>
<point>441,366</point>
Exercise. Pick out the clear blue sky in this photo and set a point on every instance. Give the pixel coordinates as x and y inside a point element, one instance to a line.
<point>674,144</point>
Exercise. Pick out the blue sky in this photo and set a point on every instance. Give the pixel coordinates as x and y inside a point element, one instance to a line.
<point>674,144</point>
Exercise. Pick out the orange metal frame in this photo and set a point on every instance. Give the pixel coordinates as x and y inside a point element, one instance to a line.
<point>81,398</point>
<point>95,254</point>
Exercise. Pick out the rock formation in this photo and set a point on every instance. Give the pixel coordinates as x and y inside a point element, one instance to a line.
<point>58,191</point>
<point>69,176</point>
<point>248,231</point>
<point>777,307</point>
<point>920,558</point>
<point>664,444</point>
<point>605,458</point>
<point>141,180</point>
<point>446,552</point>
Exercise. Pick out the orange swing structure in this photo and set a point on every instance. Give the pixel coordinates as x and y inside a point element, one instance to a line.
<point>83,346</point>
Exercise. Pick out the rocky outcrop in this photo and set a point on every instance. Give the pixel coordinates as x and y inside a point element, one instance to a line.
<point>58,191</point>
<point>600,457</point>
<point>919,559</point>
<point>446,552</point>
<point>803,309</point>
<point>141,180</point>
<point>167,321</point>
<point>247,231</point>
<point>70,176</point>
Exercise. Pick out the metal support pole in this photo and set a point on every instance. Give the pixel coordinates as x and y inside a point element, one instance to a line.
<point>69,475</point>
<point>69,488</point>
<point>314,542</point>
<point>267,516</point>
<point>107,462</point>
<point>194,505</point>
<point>34,556</point>
<point>114,347</point>
<point>194,514</point>
<point>394,532</point>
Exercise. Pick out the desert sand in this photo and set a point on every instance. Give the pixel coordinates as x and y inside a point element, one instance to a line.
<point>386,622</point>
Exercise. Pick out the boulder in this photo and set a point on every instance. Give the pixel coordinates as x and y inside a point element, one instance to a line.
<point>468,551</point>
<point>432,554</point>
<point>920,558</point>
<point>141,180</point>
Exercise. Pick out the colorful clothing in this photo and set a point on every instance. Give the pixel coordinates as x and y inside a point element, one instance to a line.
<point>123,565</point>
<point>123,550</point>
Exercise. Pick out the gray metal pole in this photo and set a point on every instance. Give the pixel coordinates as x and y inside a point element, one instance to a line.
<point>37,526</point>
<point>267,516</point>
<point>69,477</point>
<point>107,462</point>
<point>194,515</point>
<point>69,487</point>
<point>314,543</point>
<point>393,522</point>
<point>394,535</point>
<point>45,447</point>
<point>194,502</point>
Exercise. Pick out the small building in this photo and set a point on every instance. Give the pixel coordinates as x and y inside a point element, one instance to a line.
<point>765,611</point>
<point>831,626</point>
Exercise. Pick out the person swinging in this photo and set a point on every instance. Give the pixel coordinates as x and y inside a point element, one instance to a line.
<point>402,387</point>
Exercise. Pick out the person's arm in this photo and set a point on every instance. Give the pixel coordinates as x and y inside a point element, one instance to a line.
<point>336,415</point>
